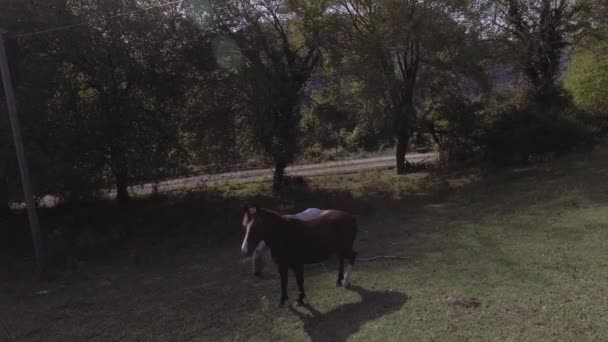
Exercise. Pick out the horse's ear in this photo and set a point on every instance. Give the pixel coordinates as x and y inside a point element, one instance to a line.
<point>245,208</point>
<point>257,209</point>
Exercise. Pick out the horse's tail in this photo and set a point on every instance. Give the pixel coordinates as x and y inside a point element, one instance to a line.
<point>353,226</point>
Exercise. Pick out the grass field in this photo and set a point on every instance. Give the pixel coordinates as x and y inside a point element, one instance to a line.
<point>513,255</point>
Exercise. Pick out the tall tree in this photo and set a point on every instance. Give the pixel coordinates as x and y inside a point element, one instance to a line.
<point>587,79</point>
<point>120,82</point>
<point>397,46</point>
<point>536,34</point>
<point>279,41</point>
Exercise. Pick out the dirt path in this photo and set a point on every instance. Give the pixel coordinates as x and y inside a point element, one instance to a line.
<point>263,174</point>
<point>257,175</point>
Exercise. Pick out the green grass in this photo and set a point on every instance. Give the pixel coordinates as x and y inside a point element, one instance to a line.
<point>510,255</point>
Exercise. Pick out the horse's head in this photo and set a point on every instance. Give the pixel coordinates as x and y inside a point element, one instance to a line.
<point>254,229</point>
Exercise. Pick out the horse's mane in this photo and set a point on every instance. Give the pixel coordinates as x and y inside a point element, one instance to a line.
<point>277,215</point>
<point>268,211</point>
<point>271,212</point>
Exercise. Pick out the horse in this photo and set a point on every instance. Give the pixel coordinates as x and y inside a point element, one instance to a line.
<point>261,254</point>
<point>294,243</point>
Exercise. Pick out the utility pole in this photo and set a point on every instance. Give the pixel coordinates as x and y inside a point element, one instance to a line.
<point>11,102</point>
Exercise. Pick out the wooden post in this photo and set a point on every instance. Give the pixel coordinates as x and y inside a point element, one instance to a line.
<point>11,101</point>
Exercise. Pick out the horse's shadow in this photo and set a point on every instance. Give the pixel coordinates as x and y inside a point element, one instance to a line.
<point>345,320</point>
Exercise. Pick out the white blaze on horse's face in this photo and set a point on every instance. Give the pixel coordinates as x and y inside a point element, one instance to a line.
<point>245,220</point>
<point>247,225</point>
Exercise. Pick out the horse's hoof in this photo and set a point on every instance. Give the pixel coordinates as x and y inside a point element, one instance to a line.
<point>347,285</point>
<point>338,284</point>
<point>300,302</point>
<point>258,274</point>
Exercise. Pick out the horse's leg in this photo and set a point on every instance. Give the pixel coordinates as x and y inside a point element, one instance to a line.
<point>283,271</point>
<point>349,269</point>
<point>299,271</point>
<point>257,263</point>
<point>340,270</point>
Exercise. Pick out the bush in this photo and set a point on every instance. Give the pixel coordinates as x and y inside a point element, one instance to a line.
<point>315,132</point>
<point>314,153</point>
<point>519,133</point>
<point>455,124</point>
<point>355,140</point>
<point>587,81</point>
<point>365,136</point>
<point>324,136</point>
<point>422,142</point>
<point>317,154</point>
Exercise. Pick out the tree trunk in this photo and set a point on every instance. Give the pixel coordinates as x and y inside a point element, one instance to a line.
<point>403,134</point>
<point>402,142</point>
<point>122,185</point>
<point>120,169</point>
<point>278,177</point>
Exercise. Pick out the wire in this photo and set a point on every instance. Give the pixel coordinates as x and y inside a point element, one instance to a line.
<point>383,257</point>
<point>96,20</point>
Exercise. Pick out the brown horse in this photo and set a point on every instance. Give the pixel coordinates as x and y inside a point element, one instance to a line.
<point>262,253</point>
<point>294,243</point>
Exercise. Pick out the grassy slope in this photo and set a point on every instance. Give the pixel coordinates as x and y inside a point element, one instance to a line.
<point>518,255</point>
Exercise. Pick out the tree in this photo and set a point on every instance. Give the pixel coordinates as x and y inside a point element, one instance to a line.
<point>454,123</point>
<point>593,22</point>
<point>119,101</point>
<point>115,108</point>
<point>279,43</point>
<point>536,34</point>
<point>399,45</point>
<point>587,79</point>
<point>535,38</point>
<point>587,73</point>
<point>215,128</point>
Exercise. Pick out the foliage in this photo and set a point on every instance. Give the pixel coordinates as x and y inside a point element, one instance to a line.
<point>456,124</point>
<point>587,80</point>
<point>316,131</point>
<point>328,126</point>
<point>397,64</point>
<point>518,133</point>
<point>534,38</point>
<point>206,86</point>
<point>279,59</point>
<point>535,35</point>
<point>109,112</point>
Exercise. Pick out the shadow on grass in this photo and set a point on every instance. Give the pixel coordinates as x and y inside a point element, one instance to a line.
<point>200,231</point>
<point>391,212</point>
<point>345,320</point>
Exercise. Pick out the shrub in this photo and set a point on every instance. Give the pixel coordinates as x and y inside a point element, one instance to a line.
<point>519,133</point>
<point>455,124</point>
<point>587,81</point>
<point>316,132</point>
